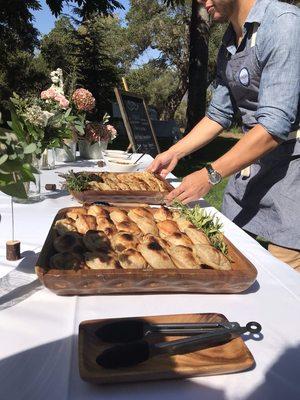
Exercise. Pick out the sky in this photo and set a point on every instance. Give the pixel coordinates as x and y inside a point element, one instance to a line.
<point>44,20</point>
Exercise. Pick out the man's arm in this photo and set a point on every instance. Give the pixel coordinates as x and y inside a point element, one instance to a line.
<point>256,143</point>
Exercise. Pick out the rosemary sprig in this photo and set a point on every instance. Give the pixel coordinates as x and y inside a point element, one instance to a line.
<point>77,182</point>
<point>210,224</point>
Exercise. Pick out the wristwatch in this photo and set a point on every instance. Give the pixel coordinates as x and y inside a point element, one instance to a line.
<point>213,176</point>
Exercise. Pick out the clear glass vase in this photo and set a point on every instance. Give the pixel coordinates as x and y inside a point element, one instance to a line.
<point>33,189</point>
<point>48,159</point>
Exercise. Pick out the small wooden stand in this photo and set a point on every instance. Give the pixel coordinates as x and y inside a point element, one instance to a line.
<point>13,250</point>
<point>50,186</point>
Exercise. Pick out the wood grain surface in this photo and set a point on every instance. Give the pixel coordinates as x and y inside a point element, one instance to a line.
<point>227,358</point>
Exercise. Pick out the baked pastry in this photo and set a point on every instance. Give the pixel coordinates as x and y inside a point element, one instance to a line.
<point>65,225</point>
<point>129,227</point>
<point>154,254</point>
<point>211,257</point>
<point>99,186</point>
<point>106,225</point>
<point>101,260</point>
<point>132,259</point>
<point>66,261</point>
<point>97,211</point>
<point>96,241</point>
<point>68,242</point>
<point>183,257</point>
<point>118,216</point>
<point>144,220</point>
<point>154,183</point>
<point>167,228</point>
<point>197,236</point>
<point>75,211</point>
<point>183,223</point>
<point>85,223</point>
<point>179,239</point>
<point>124,241</point>
<point>162,214</point>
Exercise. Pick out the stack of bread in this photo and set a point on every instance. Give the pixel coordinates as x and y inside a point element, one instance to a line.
<point>140,238</point>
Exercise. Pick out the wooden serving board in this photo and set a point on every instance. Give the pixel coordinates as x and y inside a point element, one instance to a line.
<point>124,196</point>
<point>233,356</point>
<point>119,281</point>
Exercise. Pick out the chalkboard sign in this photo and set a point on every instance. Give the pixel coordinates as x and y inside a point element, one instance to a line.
<point>137,122</point>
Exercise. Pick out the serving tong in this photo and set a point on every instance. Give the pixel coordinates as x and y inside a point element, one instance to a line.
<point>130,353</point>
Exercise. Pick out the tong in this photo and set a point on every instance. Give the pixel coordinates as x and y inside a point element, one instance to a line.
<point>131,354</point>
<point>135,329</point>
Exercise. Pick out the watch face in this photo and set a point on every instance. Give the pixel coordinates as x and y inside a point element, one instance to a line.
<point>215,177</point>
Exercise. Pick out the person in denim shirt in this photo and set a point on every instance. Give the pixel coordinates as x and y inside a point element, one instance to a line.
<point>258,75</point>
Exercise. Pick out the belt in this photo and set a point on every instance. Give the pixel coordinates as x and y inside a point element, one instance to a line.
<point>292,136</point>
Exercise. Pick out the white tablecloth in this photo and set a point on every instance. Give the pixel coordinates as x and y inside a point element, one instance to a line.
<point>38,329</point>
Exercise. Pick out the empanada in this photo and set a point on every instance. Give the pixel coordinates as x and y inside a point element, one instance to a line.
<point>124,241</point>
<point>132,259</point>
<point>155,255</point>
<point>183,257</point>
<point>97,211</point>
<point>101,260</point>
<point>96,241</point>
<point>85,223</point>
<point>66,261</point>
<point>145,224</point>
<point>68,242</point>
<point>212,257</point>
<point>197,236</point>
<point>65,225</point>
<point>179,239</point>
<point>162,214</point>
<point>118,216</point>
<point>167,228</point>
<point>128,226</point>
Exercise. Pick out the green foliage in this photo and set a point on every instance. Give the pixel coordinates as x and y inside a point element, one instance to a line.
<point>15,164</point>
<point>77,182</point>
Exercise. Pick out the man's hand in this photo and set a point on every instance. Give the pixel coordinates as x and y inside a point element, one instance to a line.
<point>164,163</point>
<point>193,187</point>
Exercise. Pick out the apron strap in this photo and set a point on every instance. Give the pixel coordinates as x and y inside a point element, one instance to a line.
<point>254,34</point>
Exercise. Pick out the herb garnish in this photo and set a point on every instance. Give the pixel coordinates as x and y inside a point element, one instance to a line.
<point>77,182</point>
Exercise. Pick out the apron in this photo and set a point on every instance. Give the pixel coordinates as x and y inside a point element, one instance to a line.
<point>263,199</point>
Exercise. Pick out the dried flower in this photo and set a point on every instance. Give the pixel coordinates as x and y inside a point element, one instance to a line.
<point>95,131</point>
<point>36,116</point>
<point>83,99</point>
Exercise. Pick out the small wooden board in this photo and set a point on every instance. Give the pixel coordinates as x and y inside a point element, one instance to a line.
<point>233,356</point>
<point>124,196</point>
<point>119,281</point>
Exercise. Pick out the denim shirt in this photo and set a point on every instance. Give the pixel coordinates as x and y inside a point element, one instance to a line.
<point>277,51</point>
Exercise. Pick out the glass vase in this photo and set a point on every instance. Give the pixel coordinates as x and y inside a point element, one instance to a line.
<point>90,151</point>
<point>33,189</point>
<point>48,159</point>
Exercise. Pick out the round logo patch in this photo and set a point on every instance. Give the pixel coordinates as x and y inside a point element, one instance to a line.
<point>244,77</point>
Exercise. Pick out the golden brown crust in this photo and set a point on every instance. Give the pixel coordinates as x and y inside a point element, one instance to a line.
<point>118,216</point>
<point>85,223</point>
<point>167,228</point>
<point>179,239</point>
<point>75,211</point>
<point>64,225</point>
<point>145,224</point>
<point>197,236</point>
<point>183,257</point>
<point>123,241</point>
<point>211,257</point>
<point>162,214</point>
<point>128,226</point>
<point>132,259</point>
<point>97,211</point>
<point>155,254</point>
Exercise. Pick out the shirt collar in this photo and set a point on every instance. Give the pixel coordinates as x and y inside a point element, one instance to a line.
<point>255,16</point>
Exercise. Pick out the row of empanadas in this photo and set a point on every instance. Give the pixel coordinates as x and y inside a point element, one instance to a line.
<point>158,238</point>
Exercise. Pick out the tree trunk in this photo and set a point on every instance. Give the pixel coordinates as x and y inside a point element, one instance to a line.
<point>197,85</point>
<point>174,100</point>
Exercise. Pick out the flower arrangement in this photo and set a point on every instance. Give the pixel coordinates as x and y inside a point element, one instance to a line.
<point>103,132</point>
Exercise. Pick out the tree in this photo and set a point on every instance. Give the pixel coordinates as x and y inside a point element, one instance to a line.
<point>166,31</point>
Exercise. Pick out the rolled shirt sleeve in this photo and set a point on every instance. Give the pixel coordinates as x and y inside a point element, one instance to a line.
<point>279,54</point>
<point>221,108</point>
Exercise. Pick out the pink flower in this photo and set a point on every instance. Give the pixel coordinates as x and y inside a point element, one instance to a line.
<point>83,99</point>
<point>48,94</point>
<point>111,129</point>
<point>64,103</point>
